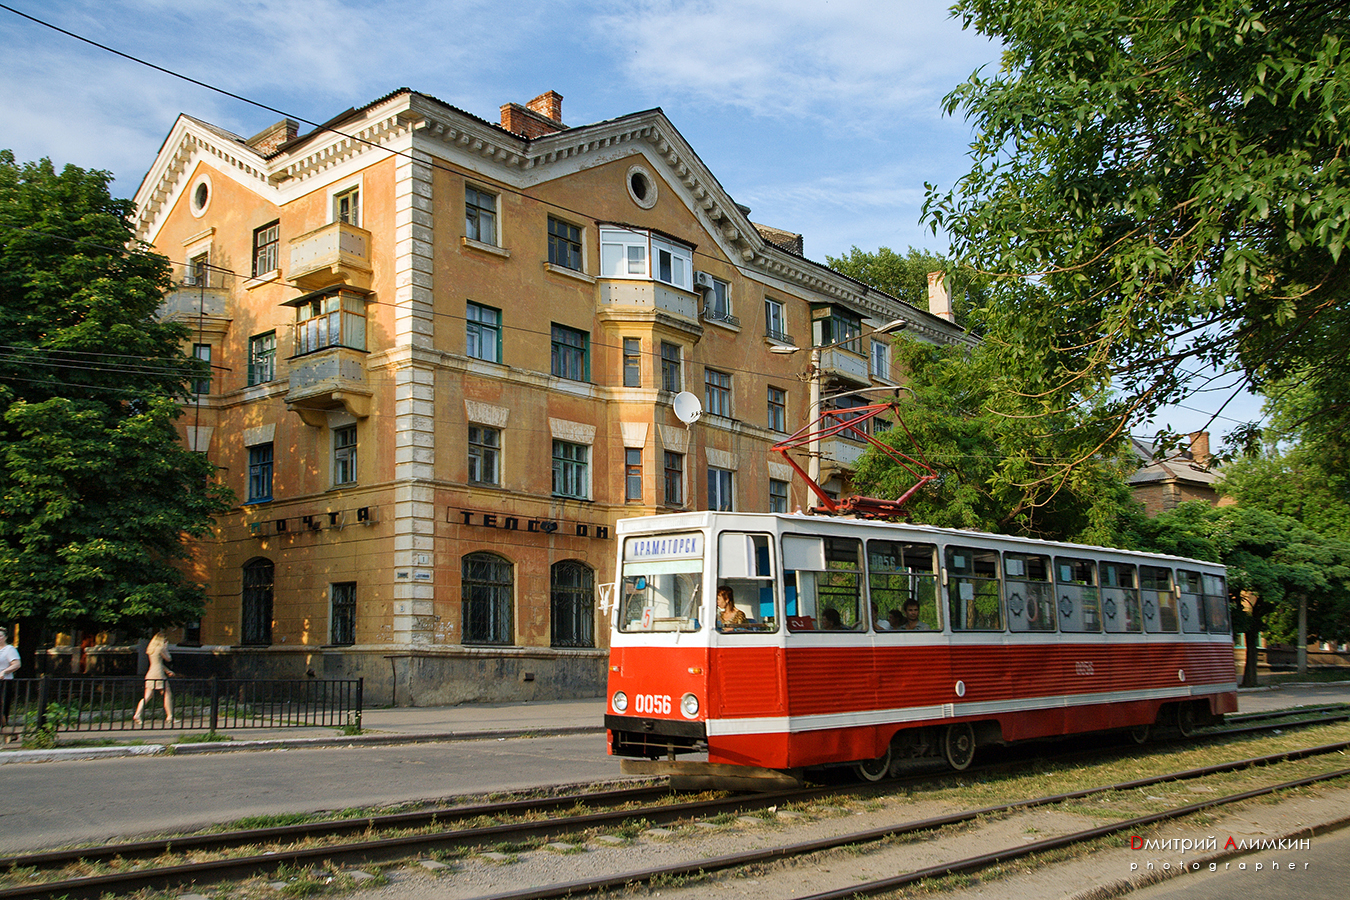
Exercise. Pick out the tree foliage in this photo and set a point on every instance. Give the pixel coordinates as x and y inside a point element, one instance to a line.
<point>906,277</point>
<point>1058,476</point>
<point>96,490</point>
<point>1172,175</point>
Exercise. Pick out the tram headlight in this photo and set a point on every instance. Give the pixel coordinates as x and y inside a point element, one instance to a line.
<point>689,706</point>
<point>619,702</point>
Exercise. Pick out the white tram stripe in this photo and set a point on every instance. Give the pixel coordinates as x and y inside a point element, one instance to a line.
<point>798,724</point>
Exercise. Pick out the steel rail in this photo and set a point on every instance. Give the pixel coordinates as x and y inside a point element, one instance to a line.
<point>771,854</point>
<point>385,848</point>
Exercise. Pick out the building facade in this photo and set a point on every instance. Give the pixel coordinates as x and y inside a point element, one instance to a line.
<point>444,354</point>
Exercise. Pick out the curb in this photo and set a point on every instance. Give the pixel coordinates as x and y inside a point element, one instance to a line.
<point>299,743</point>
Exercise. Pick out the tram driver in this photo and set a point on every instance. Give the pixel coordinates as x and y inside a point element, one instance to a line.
<point>727,613</point>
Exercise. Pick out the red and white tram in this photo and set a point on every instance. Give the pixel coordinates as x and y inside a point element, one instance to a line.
<point>863,642</point>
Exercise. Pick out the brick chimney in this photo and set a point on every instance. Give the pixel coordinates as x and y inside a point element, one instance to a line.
<point>274,136</point>
<point>939,298</point>
<point>541,116</point>
<point>1200,449</point>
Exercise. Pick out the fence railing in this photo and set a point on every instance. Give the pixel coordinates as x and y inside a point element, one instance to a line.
<point>109,704</point>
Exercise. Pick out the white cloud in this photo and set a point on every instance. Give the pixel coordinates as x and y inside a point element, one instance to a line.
<point>851,61</point>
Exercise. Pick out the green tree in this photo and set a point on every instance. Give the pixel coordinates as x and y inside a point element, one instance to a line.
<point>1174,176</point>
<point>906,277</point>
<point>1056,475</point>
<point>1275,564</point>
<point>97,492</point>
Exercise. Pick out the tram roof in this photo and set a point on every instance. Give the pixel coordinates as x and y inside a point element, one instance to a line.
<point>793,522</point>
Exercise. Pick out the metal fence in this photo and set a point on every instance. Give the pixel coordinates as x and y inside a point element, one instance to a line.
<point>109,704</point>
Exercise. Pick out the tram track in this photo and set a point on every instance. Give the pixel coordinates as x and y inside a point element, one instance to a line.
<point>650,803</point>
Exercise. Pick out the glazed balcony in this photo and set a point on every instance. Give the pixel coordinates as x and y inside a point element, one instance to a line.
<point>336,254</point>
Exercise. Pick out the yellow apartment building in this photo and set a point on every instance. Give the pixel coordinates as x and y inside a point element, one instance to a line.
<point>444,356</point>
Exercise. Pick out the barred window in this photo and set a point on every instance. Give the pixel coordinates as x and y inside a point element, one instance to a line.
<point>572,588</point>
<point>342,631</point>
<point>487,581</point>
<point>256,603</point>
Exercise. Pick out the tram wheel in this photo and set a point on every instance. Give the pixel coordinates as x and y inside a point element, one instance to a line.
<point>958,745</point>
<point>1141,733</point>
<point>1186,719</point>
<point>874,769</point>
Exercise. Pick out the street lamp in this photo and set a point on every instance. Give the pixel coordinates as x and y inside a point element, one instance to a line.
<point>813,449</point>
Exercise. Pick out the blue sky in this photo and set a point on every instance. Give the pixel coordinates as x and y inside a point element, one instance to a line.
<point>823,116</point>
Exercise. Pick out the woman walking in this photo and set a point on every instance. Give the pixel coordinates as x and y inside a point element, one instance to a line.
<point>156,678</point>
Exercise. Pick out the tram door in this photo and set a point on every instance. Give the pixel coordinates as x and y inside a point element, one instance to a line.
<point>747,661</point>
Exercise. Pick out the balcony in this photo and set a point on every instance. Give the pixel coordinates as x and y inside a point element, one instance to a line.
<point>336,254</point>
<point>845,364</point>
<point>638,299</point>
<point>186,301</point>
<point>840,453</point>
<point>328,380</point>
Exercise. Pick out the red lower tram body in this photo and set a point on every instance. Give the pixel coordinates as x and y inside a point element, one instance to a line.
<point>796,707</point>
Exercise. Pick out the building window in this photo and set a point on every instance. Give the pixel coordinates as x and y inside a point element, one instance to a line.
<point>480,215</point>
<point>842,329</point>
<point>719,489</point>
<point>344,455</point>
<point>256,607</point>
<point>570,357</point>
<point>844,405</point>
<point>775,325</point>
<point>266,244</point>
<point>632,362</point>
<point>717,302</point>
<point>632,474</point>
<point>778,496</point>
<point>571,475</point>
<point>487,581</point>
<point>262,358</point>
<point>674,478</point>
<point>483,332</point>
<point>260,472</point>
<point>484,454</point>
<point>717,401</point>
<point>202,385</point>
<point>572,587</point>
<point>881,360</point>
<point>336,319</point>
<point>564,244</point>
<point>671,379</point>
<point>777,410</point>
<point>199,271</point>
<point>625,253</point>
<point>347,208</point>
<point>342,630</point>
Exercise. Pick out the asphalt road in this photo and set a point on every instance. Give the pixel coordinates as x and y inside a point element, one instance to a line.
<point>46,805</point>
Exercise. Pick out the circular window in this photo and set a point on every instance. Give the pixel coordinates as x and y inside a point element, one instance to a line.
<point>641,187</point>
<point>200,197</point>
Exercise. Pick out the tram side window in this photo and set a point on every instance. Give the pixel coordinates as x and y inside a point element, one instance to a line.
<point>1216,604</point>
<point>973,596</point>
<point>1159,606</point>
<point>1192,603</point>
<point>1076,587</point>
<point>1031,596</point>
<point>899,574</point>
<point>822,581</point>
<point>745,566</point>
<point>1120,598</point>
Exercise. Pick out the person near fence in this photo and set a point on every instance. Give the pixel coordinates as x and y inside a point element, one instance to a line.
<point>157,677</point>
<point>9,664</point>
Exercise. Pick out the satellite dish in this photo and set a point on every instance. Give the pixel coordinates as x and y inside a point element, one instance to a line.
<point>687,407</point>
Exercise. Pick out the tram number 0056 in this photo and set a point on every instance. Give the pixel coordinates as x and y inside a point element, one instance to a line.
<point>1082,668</point>
<point>653,704</point>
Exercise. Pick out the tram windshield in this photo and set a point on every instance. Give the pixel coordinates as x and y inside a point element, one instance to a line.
<point>662,583</point>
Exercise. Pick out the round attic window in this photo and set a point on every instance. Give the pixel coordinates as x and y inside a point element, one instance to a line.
<point>641,187</point>
<point>201,195</point>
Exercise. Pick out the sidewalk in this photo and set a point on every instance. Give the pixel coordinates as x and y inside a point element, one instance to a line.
<point>381,727</point>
